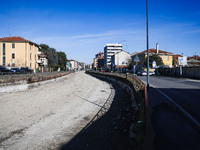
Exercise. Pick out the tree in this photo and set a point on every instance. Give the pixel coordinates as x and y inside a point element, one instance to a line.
<point>52,57</point>
<point>154,57</point>
<point>62,60</point>
<point>130,64</point>
<point>44,48</point>
<point>50,53</point>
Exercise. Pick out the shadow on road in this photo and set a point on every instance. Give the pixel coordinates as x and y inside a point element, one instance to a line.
<point>110,131</point>
<point>172,129</point>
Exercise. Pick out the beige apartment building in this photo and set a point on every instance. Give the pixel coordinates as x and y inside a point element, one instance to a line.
<point>18,52</point>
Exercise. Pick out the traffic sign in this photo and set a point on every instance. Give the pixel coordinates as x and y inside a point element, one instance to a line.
<point>136,59</point>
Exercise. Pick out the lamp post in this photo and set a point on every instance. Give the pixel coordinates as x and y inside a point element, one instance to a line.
<point>147,45</point>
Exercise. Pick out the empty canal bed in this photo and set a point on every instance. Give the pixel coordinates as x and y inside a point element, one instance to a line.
<point>52,115</point>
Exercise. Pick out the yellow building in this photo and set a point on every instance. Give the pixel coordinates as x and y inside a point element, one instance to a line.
<point>18,52</point>
<point>166,57</point>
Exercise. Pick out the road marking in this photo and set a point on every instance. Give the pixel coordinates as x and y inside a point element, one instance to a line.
<point>187,115</point>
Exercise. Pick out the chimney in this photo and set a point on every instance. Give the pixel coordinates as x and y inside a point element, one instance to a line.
<point>157,50</point>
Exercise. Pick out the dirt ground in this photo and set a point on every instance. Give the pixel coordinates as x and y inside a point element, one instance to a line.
<point>51,116</point>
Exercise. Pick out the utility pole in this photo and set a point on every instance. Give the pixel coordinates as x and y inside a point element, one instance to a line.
<point>147,45</point>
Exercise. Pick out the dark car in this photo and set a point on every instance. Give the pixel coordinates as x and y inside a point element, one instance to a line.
<point>4,69</point>
<point>16,70</point>
<point>26,70</point>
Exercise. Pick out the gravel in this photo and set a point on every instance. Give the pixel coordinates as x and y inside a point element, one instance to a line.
<point>47,116</point>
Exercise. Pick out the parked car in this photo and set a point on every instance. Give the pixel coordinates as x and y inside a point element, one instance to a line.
<point>4,69</point>
<point>16,70</point>
<point>151,73</point>
<point>142,73</point>
<point>26,70</point>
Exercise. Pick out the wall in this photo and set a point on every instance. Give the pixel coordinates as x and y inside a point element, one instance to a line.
<point>189,72</point>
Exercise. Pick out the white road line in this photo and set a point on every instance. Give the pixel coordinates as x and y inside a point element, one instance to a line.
<point>190,117</point>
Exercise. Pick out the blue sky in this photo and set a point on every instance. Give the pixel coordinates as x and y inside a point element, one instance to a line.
<point>81,28</point>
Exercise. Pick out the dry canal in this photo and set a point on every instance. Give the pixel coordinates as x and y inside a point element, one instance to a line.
<point>51,116</point>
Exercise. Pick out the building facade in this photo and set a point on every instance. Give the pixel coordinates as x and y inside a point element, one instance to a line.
<point>120,61</point>
<point>193,60</point>
<point>98,61</point>
<point>110,50</point>
<point>167,57</point>
<point>73,65</point>
<point>18,52</point>
<point>42,62</point>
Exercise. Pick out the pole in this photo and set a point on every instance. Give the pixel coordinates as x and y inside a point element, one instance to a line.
<point>147,45</point>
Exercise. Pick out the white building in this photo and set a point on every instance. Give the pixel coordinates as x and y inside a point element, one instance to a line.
<point>42,62</point>
<point>73,65</point>
<point>110,50</point>
<point>120,60</point>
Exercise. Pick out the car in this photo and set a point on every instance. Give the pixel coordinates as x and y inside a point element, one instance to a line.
<point>16,70</point>
<point>4,69</point>
<point>151,73</point>
<point>142,73</point>
<point>26,70</point>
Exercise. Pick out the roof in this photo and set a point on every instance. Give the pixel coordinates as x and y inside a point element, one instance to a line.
<point>99,57</point>
<point>71,60</point>
<point>42,55</point>
<point>193,60</point>
<point>100,53</point>
<point>114,44</point>
<point>122,52</point>
<point>15,39</point>
<point>177,55</point>
<point>122,66</point>
<point>153,51</point>
<point>194,57</point>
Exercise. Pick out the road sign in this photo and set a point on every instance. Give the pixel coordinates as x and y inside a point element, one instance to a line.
<point>182,61</point>
<point>154,64</point>
<point>136,59</point>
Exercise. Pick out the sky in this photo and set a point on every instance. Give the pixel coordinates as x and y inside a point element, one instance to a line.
<point>81,28</point>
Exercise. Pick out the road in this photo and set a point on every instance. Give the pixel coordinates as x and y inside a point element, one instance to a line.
<point>47,116</point>
<point>185,92</point>
<point>173,130</point>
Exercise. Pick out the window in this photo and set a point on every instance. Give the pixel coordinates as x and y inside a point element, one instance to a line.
<point>167,58</point>
<point>4,60</point>
<point>30,56</point>
<point>13,55</point>
<point>13,64</point>
<point>30,46</point>
<point>13,45</point>
<point>4,49</point>
<point>4,53</point>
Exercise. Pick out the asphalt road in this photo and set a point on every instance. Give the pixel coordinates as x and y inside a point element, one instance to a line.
<point>185,92</point>
<point>173,130</point>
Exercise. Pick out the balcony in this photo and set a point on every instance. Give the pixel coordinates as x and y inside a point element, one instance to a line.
<point>40,61</point>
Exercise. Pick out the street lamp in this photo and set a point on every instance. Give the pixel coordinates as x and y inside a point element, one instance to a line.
<point>147,45</point>
<point>122,41</point>
<point>118,56</point>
